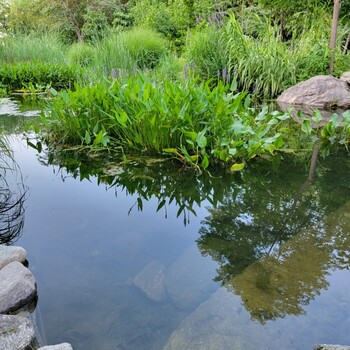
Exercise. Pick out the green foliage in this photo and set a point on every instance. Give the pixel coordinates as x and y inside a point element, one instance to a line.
<point>171,20</point>
<point>206,49</point>
<point>38,75</point>
<point>145,46</point>
<point>45,47</point>
<point>81,54</point>
<point>193,122</point>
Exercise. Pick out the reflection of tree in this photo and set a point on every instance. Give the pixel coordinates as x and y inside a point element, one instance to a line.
<point>11,202</point>
<point>272,233</point>
<point>273,247</point>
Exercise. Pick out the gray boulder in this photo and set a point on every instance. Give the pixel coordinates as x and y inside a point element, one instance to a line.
<point>325,93</point>
<point>63,346</point>
<point>16,333</point>
<point>17,287</point>
<point>346,77</point>
<point>9,254</point>
<point>331,347</point>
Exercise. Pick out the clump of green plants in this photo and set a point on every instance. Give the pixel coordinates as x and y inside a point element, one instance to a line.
<point>206,50</point>
<point>145,46</point>
<point>193,122</point>
<point>81,54</point>
<point>37,76</point>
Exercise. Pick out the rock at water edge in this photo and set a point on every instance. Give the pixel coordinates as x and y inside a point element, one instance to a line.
<point>331,347</point>
<point>9,254</point>
<point>16,333</point>
<point>345,77</point>
<point>63,346</point>
<point>325,93</point>
<point>17,287</point>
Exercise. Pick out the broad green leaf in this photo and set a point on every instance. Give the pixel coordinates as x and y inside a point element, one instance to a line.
<point>201,139</point>
<point>237,167</point>
<point>263,114</point>
<point>317,117</point>
<point>346,117</point>
<point>205,162</point>
<point>334,119</point>
<point>87,138</point>
<point>232,151</point>
<point>306,126</point>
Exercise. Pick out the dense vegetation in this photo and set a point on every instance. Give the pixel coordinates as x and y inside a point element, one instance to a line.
<point>173,77</point>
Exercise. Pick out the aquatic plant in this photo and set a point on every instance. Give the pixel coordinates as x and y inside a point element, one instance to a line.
<point>38,75</point>
<point>193,122</point>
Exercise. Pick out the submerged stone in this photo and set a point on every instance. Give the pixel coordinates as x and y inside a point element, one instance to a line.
<point>9,254</point>
<point>63,346</point>
<point>150,281</point>
<point>16,333</point>
<point>189,280</point>
<point>17,287</point>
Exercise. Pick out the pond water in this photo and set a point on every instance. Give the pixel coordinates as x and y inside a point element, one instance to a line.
<point>145,255</point>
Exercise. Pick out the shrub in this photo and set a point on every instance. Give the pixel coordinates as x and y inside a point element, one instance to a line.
<point>145,46</point>
<point>81,54</point>
<point>207,50</point>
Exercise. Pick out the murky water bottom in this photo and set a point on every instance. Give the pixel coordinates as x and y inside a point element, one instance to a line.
<point>264,264</point>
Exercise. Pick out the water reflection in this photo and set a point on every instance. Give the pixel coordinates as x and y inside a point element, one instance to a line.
<point>275,248</point>
<point>275,235</point>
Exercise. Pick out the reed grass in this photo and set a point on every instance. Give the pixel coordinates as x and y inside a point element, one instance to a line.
<point>43,47</point>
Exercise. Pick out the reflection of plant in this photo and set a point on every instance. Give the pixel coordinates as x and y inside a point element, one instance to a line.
<point>11,203</point>
<point>145,177</point>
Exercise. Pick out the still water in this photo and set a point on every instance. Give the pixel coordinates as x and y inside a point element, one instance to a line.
<point>143,255</point>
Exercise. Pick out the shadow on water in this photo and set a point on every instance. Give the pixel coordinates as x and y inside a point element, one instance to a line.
<point>274,234</point>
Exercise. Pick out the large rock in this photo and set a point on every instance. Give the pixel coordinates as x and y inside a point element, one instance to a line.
<point>346,77</point>
<point>331,347</point>
<point>17,287</point>
<point>63,346</point>
<point>325,93</point>
<point>16,333</point>
<point>9,254</point>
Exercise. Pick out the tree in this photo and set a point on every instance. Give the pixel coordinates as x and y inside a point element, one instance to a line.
<point>4,14</point>
<point>333,40</point>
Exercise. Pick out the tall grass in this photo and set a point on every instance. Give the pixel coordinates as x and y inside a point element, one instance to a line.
<point>124,53</point>
<point>251,50</point>
<point>207,51</point>
<point>43,47</point>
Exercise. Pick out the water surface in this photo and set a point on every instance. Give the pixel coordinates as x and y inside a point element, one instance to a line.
<point>145,256</point>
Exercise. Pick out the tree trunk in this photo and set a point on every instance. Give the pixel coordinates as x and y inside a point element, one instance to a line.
<point>332,43</point>
<point>346,44</point>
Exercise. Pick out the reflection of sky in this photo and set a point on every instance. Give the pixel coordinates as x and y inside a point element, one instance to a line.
<point>9,107</point>
<point>84,250</point>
